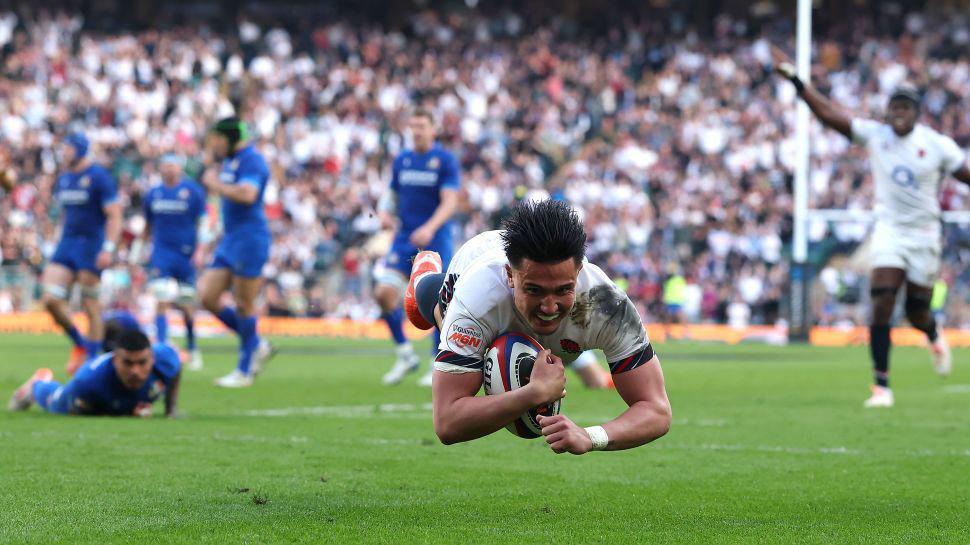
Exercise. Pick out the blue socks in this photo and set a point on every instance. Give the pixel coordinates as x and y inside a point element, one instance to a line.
<point>189,333</point>
<point>248,341</point>
<point>161,328</point>
<point>75,336</point>
<point>395,321</point>
<point>229,317</point>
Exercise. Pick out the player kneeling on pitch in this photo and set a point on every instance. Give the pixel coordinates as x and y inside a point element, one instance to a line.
<point>532,277</point>
<point>126,381</point>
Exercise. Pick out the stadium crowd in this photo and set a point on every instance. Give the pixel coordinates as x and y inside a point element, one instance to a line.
<point>677,150</point>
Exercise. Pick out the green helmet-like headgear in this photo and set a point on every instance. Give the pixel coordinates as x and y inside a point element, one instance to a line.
<point>233,128</point>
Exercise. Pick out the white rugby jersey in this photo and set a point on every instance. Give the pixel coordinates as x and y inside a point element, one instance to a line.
<point>907,172</point>
<point>480,308</point>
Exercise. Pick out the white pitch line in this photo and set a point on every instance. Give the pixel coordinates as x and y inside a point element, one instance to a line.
<point>218,436</point>
<point>957,389</point>
<point>380,441</point>
<point>347,411</point>
<point>781,449</point>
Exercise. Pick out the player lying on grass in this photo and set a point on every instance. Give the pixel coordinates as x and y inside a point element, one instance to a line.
<point>909,163</point>
<point>532,278</point>
<point>126,381</point>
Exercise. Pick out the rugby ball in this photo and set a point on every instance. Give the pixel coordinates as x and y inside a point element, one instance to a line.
<point>508,365</point>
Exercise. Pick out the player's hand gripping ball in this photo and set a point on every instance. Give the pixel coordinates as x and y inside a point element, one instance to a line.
<point>508,365</point>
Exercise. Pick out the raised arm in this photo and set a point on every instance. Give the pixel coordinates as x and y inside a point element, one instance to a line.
<point>828,112</point>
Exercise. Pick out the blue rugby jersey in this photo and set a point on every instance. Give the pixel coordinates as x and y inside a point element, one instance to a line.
<point>83,195</point>
<point>417,179</point>
<point>173,214</point>
<point>246,166</point>
<point>96,389</point>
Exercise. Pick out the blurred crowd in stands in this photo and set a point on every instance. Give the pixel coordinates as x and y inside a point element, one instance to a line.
<point>676,144</point>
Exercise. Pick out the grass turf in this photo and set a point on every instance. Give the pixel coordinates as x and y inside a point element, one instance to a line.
<point>768,445</point>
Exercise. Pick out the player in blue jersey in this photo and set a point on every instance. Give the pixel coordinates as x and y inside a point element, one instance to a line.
<point>423,196</point>
<point>92,226</point>
<point>244,247</point>
<point>173,210</point>
<point>126,381</point>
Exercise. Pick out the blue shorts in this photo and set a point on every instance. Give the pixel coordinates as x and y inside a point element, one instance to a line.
<point>78,253</point>
<point>402,253</point>
<point>51,397</point>
<point>172,265</point>
<point>244,256</point>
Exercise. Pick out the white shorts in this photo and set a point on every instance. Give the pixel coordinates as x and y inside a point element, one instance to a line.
<point>916,253</point>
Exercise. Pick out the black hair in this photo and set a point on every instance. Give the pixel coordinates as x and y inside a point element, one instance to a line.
<point>548,231</point>
<point>133,340</point>
<point>112,331</point>
<point>233,128</point>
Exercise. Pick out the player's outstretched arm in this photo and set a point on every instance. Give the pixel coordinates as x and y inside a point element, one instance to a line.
<point>460,415</point>
<point>172,395</point>
<point>828,112</point>
<point>648,415</point>
<point>646,419</point>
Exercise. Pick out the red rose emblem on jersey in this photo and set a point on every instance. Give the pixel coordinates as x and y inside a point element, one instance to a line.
<point>570,346</point>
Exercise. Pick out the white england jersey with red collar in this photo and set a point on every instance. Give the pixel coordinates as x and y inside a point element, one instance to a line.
<point>480,308</point>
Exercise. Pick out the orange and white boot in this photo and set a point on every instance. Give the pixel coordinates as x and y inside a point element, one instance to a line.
<point>78,356</point>
<point>426,262</point>
<point>23,397</point>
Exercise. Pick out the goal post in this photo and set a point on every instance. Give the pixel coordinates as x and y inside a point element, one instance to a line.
<point>799,306</point>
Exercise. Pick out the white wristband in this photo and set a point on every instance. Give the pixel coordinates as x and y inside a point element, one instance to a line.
<point>109,247</point>
<point>598,436</point>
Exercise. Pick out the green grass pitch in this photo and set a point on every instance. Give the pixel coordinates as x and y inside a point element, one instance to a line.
<point>767,445</point>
